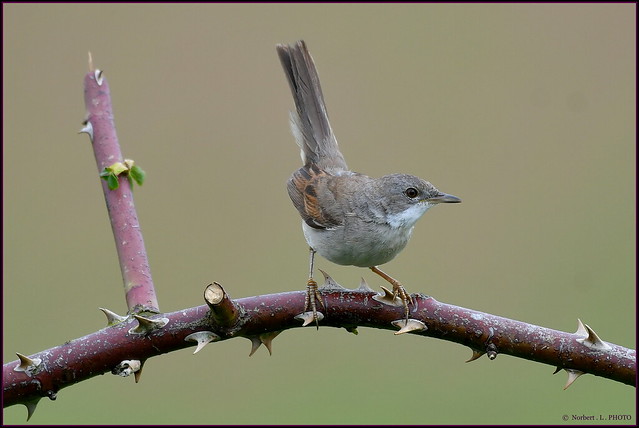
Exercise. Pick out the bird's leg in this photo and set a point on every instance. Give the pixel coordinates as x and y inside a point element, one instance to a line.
<point>312,293</point>
<point>398,289</point>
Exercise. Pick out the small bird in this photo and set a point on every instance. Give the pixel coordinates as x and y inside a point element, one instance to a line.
<point>347,217</point>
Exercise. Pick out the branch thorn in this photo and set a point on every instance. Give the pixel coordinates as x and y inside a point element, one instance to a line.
<point>363,286</point>
<point>27,365</point>
<point>409,325</point>
<point>264,338</point>
<point>572,376</point>
<point>87,129</point>
<point>255,344</point>
<point>590,338</point>
<point>267,340</point>
<point>98,76</point>
<point>387,298</point>
<point>329,283</point>
<point>202,338</point>
<point>476,355</point>
<point>31,407</point>
<point>307,317</point>
<point>112,317</point>
<point>147,325</point>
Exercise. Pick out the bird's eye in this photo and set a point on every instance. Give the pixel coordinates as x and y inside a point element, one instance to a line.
<point>411,192</point>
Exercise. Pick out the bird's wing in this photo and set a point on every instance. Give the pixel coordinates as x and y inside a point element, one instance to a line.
<point>304,188</point>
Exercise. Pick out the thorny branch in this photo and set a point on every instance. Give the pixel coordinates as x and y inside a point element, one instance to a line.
<point>134,264</point>
<point>261,318</point>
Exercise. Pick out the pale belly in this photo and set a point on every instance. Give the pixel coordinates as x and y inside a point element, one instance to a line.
<point>370,245</point>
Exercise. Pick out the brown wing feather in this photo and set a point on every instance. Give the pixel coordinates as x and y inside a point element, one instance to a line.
<point>302,190</point>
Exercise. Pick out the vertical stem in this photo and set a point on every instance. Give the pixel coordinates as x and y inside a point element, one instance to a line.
<point>134,264</point>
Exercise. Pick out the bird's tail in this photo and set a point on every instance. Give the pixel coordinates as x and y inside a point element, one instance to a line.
<point>309,123</point>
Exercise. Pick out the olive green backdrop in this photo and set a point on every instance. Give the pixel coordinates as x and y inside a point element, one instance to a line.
<point>526,112</point>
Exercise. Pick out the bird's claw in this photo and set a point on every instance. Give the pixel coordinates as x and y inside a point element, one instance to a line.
<point>400,291</point>
<point>310,301</point>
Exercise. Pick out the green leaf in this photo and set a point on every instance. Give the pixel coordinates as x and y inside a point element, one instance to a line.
<point>137,174</point>
<point>128,168</point>
<point>112,181</point>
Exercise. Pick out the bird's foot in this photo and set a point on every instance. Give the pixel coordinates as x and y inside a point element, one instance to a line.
<point>398,291</point>
<point>311,300</point>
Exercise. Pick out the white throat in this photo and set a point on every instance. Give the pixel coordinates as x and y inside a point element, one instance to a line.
<point>408,217</point>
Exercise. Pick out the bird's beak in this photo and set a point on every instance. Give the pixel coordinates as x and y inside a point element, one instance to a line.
<point>443,198</point>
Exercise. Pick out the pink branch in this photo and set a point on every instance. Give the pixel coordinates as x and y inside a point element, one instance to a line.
<point>134,264</point>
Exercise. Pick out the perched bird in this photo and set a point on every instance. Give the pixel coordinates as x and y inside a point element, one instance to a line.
<point>347,217</point>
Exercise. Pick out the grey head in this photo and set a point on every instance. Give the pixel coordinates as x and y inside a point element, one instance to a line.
<point>401,199</point>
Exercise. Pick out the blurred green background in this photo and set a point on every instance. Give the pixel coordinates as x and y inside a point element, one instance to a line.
<point>526,112</point>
